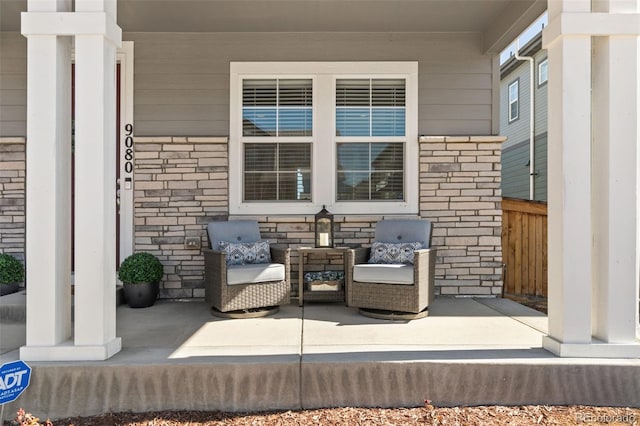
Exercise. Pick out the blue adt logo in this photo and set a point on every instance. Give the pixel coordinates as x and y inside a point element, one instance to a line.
<point>14,379</point>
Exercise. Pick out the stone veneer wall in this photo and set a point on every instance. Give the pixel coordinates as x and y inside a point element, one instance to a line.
<point>181,185</point>
<point>460,193</point>
<point>12,195</point>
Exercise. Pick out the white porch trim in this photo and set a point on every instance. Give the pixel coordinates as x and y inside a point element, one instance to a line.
<point>594,139</point>
<point>48,26</point>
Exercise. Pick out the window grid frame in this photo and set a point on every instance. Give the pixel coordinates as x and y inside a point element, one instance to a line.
<point>515,101</point>
<point>323,75</point>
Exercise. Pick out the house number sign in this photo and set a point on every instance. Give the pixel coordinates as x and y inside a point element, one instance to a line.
<point>128,155</point>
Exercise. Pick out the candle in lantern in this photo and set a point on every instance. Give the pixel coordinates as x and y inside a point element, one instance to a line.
<point>324,239</point>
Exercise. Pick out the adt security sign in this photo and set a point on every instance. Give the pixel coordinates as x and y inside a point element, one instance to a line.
<point>14,379</point>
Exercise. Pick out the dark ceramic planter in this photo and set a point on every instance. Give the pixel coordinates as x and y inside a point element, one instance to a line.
<point>141,295</point>
<point>9,288</point>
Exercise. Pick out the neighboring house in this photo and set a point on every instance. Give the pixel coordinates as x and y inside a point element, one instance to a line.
<point>515,107</point>
<point>208,110</point>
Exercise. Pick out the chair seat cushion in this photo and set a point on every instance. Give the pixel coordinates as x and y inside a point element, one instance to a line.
<point>254,273</point>
<point>383,273</point>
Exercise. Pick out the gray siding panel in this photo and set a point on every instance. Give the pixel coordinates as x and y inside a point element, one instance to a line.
<point>182,79</point>
<point>515,172</point>
<point>13,84</point>
<point>541,168</point>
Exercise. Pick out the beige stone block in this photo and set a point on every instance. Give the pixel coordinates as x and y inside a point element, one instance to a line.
<point>489,139</point>
<point>212,184</point>
<point>471,206</point>
<point>448,290</point>
<point>12,140</point>
<point>146,147</point>
<point>212,162</point>
<point>144,185</point>
<point>12,165</point>
<point>177,147</point>
<point>191,184</point>
<point>476,166</point>
<point>490,241</point>
<point>434,206</point>
<point>151,139</point>
<point>431,139</point>
<point>461,146</point>
<point>436,159</point>
<point>476,290</point>
<point>461,241</point>
<point>457,139</point>
<point>195,176</point>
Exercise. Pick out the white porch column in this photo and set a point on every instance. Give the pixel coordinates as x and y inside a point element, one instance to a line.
<point>49,26</point>
<point>593,162</point>
<point>616,65</point>
<point>95,227</point>
<point>48,191</point>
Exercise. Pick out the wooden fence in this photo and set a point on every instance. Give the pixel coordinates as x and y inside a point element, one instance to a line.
<point>524,247</point>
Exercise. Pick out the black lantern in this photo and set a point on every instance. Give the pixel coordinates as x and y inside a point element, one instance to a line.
<point>324,228</point>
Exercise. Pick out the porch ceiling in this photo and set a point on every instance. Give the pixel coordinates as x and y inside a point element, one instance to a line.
<point>497,21</point>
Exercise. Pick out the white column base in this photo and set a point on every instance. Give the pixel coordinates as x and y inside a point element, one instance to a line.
<point>67,351</point>
<point>595,349</point>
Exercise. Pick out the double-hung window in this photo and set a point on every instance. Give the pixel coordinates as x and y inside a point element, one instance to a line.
<point>276,123</point>
<point>514,103</point>
<point>370,135</point>
<point>307,134</point>
<point>543,73</point>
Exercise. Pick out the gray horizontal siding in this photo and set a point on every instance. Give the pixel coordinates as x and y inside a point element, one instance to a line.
<point>13,84</point>
<point>182,80</point>
<point>515,170</point>
<point>541,168</point>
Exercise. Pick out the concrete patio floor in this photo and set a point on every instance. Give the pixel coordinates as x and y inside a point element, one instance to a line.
<point>177,356</point>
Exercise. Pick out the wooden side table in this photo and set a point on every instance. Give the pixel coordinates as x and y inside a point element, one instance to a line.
<point>319,296</point>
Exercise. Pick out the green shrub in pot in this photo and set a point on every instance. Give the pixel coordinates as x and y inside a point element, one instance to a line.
<point>140,273</point>
<point>11,274</point>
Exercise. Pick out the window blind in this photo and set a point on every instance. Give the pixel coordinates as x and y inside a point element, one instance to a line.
<point>277,107</point>
<point>370,171</point>
<point>370,107</point>
<point>277,171</point>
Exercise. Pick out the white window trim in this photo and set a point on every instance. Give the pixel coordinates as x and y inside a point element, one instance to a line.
<point>323,191</point>
<point>516,100</point>
<point>543,62</point>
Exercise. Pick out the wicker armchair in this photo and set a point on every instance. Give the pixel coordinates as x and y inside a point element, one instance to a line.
<point>246,290</point>
<point>393,290</point>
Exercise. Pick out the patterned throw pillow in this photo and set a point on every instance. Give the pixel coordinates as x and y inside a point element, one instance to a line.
<point>243,253</point>
<point>393,252</point>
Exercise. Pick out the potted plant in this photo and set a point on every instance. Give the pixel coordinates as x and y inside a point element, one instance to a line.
<point>11,274</point>
<point>140,274</point>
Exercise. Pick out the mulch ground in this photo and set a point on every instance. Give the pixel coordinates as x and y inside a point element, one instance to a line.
<point>428,415</point>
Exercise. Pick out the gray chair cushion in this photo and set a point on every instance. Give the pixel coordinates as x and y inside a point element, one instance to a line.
<point>255,273</point>
<point>404,231</point>
<point>374,273</point>
<point>235,231</point>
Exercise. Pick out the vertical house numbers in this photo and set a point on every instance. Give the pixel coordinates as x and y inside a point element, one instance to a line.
<point>128,153</point>
<point>128,156</point>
